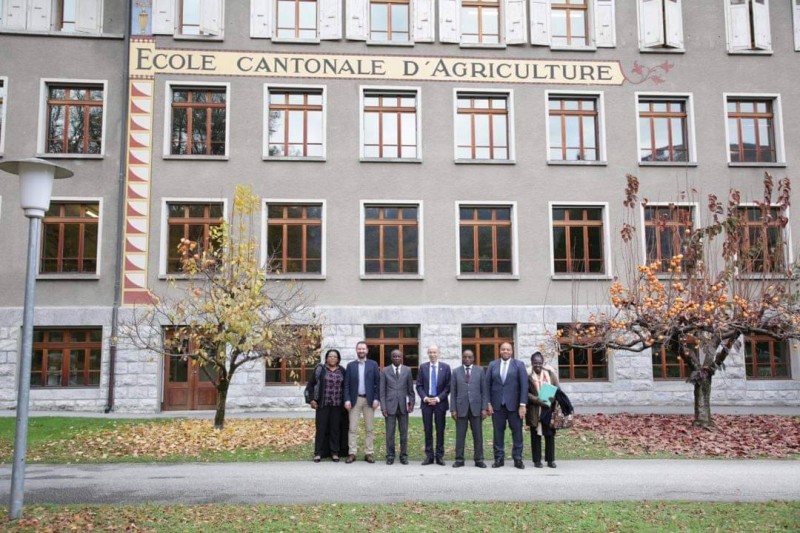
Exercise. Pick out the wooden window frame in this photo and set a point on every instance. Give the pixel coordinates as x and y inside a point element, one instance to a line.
<point>67,347</point>
<point>383,223</point>
<point>62,220</point>
<point>494,223</point>
<point>566,369</point>
<point>739,116</point>
<point>496,340</point>
<point>287,108</point>
<point>652,116</point>
<point>61,19</point>
<point>751,363</point>
<point>389,32</point>
<point>302,372</point>
<point>382,342</point>
<point>87,104</point>
<point>663,360</point>
<point>748,264</point>
<point>568,7</point>
<point>189,105</point>
<point>473,111</point>
<point>584,224</point>
<point>563,113</point>
<point>207,221</point>
<point>399,110</point>
<point>304,222</point>
<point>677,223</point>
<point>296,29</point>
<point>481,6</point>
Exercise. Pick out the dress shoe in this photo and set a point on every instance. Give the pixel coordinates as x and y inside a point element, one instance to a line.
<point>390,460</point>
<point>317,458</point>
<point>335,458</point>
<point>519,464</point>
<point>551,464</point>
<point>350,458</point>
<point>498,463</point>
<point>439,461</point>
<point>427,461</point>
<point>368,458</point>
<point>458,464</point>
<point>480,464</point>
<point>538,464</point>
<point>404,460</point>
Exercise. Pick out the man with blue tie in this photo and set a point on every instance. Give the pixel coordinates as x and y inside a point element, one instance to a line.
<point>433,386</point>
<point>507,386</point>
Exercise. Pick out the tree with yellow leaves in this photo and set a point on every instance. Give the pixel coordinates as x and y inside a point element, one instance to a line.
<point>728,278</point>
<point>228,311</point>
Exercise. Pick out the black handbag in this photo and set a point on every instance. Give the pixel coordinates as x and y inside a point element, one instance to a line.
<point>560,421</point>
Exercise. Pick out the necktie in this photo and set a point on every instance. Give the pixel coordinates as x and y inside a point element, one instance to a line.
<point>397,371</point>
<point>434,391</point>
<point>469,368</point>
<point>503,371</point>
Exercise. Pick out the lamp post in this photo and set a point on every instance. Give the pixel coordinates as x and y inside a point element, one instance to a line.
<point>36,185</point>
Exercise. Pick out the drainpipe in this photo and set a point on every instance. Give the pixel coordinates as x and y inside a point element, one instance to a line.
<point>121,178</point>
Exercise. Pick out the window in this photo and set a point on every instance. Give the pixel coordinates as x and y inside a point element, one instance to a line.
<point>2,112</point>
<point>748,26</point>
<point>796,16</point>
<point>294,238</point>
<point>390,128</point>
<point>391,239</point>
<point>664,229</point>
<point>389,21</point>
<point>762,240</point>
<point>298,20</point>
<point>69,16</point>
<point>751,130</point>
<point>66,357</point>
<point>485,341</point>
<point>574,128</point>
<point>478,23</point>
<point>195,18</point>
<point>297,363</point>
<point>664,133</point>
<point>577,24</point>
<point>577,359</point>
<point>766,358</point>
<point>382,340</point>
<point>578,240</point>
<point>483,127</point>
<point>668,364</point>
<point>660,25</point>
<point>485,240</point>
<point>74,119</point>
<point>70,239</point>
<point>296,123</point>
<point>192,221</point>
<point>199,121</point>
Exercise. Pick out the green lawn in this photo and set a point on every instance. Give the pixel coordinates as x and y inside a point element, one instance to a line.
<point>464,516</point>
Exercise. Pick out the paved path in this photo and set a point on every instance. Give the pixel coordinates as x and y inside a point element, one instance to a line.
<point>306,482</point>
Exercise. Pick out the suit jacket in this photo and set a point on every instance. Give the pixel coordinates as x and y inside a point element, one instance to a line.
<point>442,382</point>
<point>512,393</point>
<point>396,392</point>
<point>372,382</point>
<point>465,396</point>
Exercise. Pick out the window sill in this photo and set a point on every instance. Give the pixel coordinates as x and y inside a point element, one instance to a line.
<point>488,277</point>
<point>757,276</point>
<point>390,160</point>
<point>499,46</point>
<point>576,277</point>
<point>70,277</point>
<point>63,387</point>
<point>756,165</point>
<point>215,38</point>
<point>662,50</point>
<point>667,163</point>
<point>579,163</point>
<point>289,384</point>
<point>562,48</point>
<point>389,43</point>
<point>299,275</point>
<point>196,157</point>
<point>381,277</point>
<point>70,35</point>
<point>750,52</point>
<point>70,156</point>
<point>485,162</point>
<point>290,158</point>
<point>295,41</point>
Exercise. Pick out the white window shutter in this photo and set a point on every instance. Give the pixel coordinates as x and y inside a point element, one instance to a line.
<point>515,22</point>
<point>738,26</point>
<point>357,20</point>
<point>88,16</point>
<point>261,19</point>
<point>605,33</point>
<point>762,37</point>
<point>423,12</point>
<point>211,17</point>
<point>449,28</point>
<point>796,10</point>
<point>540,22</point>
<point>673,14</point>
<point>39,15</point>
<point>330,19</point>
<point>15,14</point>
<point>164,17</point>
<point>651,23</point>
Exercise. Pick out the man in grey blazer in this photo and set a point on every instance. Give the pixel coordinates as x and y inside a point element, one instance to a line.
<point>469,402</point>
<point>397,401</point>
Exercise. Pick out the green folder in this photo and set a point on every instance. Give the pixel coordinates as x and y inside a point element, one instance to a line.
<point>547,392</point>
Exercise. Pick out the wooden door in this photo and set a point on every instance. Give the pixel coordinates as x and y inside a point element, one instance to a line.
<point>187,386</point>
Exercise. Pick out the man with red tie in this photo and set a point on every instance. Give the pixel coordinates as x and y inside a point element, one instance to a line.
<point>433,386</point>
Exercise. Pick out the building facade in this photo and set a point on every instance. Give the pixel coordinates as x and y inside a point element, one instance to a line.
<point>446,173</point>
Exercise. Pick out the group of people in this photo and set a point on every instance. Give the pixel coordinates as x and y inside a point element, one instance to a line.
<point>506,390</point>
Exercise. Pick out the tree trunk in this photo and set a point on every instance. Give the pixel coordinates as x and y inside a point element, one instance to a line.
<point>222,397</point>
<point>702,402</point>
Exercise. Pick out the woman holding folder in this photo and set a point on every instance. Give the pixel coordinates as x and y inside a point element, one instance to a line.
<point>542,385</point>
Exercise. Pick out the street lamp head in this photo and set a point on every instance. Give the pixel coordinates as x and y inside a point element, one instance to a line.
<point>35,183</point>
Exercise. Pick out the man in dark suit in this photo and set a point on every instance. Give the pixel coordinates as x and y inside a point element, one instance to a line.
<point>468,406</point>
<point>361,397</point>
<point>397,401</point>
<point>507,386</point>
<point>433,386</point>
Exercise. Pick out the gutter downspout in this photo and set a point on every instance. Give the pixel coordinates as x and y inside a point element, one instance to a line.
<point>122,193</point>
